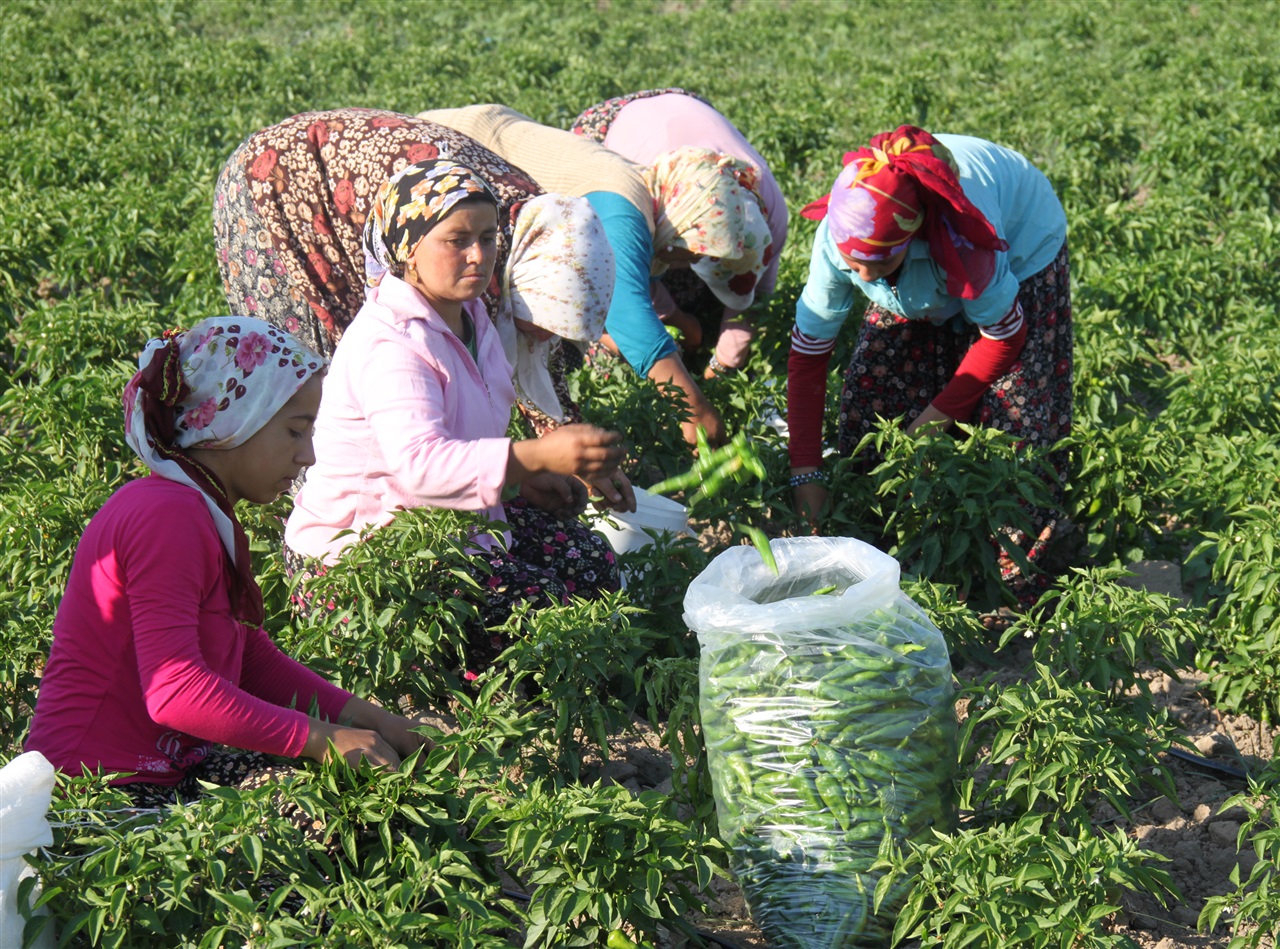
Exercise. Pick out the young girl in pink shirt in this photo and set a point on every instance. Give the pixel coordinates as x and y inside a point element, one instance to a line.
<point>159,658</point>
<point>419,400</point>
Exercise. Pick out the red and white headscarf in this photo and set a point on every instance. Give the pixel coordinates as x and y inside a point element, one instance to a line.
<point>903,184</point>
<point>214,386</point>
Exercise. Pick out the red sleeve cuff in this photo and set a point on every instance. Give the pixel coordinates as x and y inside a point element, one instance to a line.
<point>985,362</point>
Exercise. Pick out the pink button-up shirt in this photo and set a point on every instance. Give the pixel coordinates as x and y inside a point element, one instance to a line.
<point>408,419</point>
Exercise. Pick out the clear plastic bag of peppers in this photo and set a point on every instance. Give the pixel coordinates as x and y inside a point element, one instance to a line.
<point>828,714</point>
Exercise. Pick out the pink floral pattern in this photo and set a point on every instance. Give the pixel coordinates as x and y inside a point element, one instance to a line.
<point>252,352</point>
<point>201,416</point>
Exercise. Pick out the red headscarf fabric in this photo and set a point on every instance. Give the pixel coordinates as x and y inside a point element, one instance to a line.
<point>903,184</point>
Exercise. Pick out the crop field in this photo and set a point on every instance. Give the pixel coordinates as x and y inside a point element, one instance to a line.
<point>1116,774</point>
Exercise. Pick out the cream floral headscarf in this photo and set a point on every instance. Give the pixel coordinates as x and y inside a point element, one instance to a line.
<point>559,277</point>
<point>214,386</point>
<point>708,203</point>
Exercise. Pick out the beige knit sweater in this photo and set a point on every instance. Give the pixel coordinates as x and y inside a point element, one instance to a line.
<point>560,162</point>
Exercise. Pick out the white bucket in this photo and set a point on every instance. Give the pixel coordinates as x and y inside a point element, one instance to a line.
<point>653,511</point>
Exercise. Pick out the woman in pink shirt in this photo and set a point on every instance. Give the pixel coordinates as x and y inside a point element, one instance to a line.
<point>644,127</point>
<point>158,649</point>
<point>418,404</point>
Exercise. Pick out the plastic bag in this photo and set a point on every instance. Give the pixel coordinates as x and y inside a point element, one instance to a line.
<point>26,788</point>
<point>828,714</point>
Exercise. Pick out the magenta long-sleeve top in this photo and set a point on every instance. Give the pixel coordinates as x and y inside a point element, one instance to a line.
<point>149,667</point>
<point>408,419</point>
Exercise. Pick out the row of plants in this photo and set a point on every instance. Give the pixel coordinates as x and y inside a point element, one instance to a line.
<point>1152,121</point>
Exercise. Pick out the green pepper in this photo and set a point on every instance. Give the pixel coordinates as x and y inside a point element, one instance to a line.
<point>833,761</point>
<point>832,794</point>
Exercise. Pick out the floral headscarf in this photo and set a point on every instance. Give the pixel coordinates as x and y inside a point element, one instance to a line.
<point>708,203</point>
<point>408,205</point>
<point>559,277</point>
<point>903,184</point>
<point>214,386</point>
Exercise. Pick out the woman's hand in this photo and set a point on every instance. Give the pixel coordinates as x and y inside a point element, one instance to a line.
<point>351,743</point>
<point>672,369</point>
<point>930,420</point>
<point>613,492</point>
<point>810,499</point>
<point>371,732</point>
<point>671,315</point>
<point>582,450</point>
<point>566,498</point>
<point>703,415</point>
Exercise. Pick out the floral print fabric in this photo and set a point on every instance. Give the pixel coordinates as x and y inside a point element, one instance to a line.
<point>561,281</point>
<point>899,365</point>
<point>223,379</point>
<point>708,204</point>
<point>903,184</point>
<point>548,562</point>
<point>213,386</point>
<point>291,203</point>
<point>408,205</point>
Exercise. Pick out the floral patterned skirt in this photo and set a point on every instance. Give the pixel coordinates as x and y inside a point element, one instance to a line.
<point>898,366</point>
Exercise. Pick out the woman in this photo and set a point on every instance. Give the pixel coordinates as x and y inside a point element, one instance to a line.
<point>418,405</point>
<point>160,670</point>
<point>960,247</point>
<point>291,203</point>
<point>694,205</point>
<point>643,127</point>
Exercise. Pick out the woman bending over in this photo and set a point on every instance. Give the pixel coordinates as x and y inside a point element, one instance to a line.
<point>645,126</point>
<point>959,247</point>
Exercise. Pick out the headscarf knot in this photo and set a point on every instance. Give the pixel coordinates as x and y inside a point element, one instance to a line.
<point>193,390</point>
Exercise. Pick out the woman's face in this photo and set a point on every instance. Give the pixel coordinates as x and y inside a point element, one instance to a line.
<point>870,271</point>
<point>534,330</point>
<point>454,263</point>
<point>265,466</point>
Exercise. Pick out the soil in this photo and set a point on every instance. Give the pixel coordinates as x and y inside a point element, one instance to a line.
<point>1195,833</point>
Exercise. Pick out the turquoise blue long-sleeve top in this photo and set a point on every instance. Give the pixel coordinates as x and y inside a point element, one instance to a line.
<point>632,321</point>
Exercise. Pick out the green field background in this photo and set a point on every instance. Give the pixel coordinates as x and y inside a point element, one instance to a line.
<point>1155,121</point>
<point>1158,124</point>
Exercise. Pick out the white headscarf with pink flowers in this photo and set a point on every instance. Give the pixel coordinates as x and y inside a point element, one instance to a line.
<point>213,386</point>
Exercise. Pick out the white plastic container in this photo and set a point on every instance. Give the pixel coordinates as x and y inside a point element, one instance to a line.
<point>26,788</point>
<point>653,511</point>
